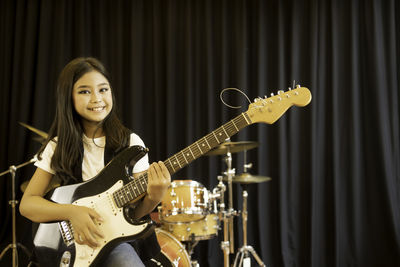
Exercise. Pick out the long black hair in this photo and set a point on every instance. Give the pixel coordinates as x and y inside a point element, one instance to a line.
<point>67,125</point>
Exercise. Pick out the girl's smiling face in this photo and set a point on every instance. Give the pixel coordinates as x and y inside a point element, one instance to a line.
<point>92,98</point>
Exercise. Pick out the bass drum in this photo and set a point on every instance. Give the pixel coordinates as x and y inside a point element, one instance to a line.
<point>173,252</point>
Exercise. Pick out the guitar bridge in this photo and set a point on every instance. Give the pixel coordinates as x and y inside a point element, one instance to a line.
<point>67,232</point>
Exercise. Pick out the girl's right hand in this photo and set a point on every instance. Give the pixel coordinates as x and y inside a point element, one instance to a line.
<point>85,224</point>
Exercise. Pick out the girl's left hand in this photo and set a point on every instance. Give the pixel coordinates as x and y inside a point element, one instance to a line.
<point>159,180</point>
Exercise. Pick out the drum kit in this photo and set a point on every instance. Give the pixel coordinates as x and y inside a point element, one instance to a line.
<point>189,213</point>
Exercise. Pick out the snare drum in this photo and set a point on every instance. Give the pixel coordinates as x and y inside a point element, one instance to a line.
<point>172,249</point>
<point>185,201</point>
<point>199,230</point>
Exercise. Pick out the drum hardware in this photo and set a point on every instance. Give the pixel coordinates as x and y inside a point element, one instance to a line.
<point>243,252</point>
<point>185,201</point>
<point>13,202</point>
<point>218,193</point>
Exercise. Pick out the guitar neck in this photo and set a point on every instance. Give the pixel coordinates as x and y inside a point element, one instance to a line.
<point>138,186</point>
<point>206,143</point>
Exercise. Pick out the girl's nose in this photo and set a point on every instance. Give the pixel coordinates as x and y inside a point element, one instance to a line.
<point>95,97</point>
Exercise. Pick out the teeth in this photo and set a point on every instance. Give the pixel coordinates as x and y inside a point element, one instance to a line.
<point>97,109</point>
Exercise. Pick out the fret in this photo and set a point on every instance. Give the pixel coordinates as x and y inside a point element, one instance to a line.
<point>119,198</point>
<point>199,147</point>
<point>235,125</point>
<point>231,129</point>
<point>246,118</point>
<point>116,199</point>
<point>141,184</point>
<point>122,197</point>
<point>216,137</point>
<point>144,183</point>
<point>181,159</point>
<point>191,152</point>
<point>220,131</point>
<point>183,154</point>
<point>197,150</point>
<point>176,160</point>
<point>130,196</point>
<point>207,143</point>
<point>223,128</point>
<point>134,187</point>
<point>169,160</point>
<point>213,140</point>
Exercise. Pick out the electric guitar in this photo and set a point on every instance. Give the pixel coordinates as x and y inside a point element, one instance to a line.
<point>113,189</point>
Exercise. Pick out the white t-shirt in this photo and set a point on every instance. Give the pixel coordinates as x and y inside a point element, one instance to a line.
<point>93,156</point>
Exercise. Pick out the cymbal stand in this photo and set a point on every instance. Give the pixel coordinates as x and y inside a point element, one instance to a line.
<point>219,192</point>
<point>243,252</point>
<point>227,216</point>
<point>13,202</point>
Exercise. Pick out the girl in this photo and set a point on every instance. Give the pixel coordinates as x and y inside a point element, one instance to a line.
<point>85,129</point>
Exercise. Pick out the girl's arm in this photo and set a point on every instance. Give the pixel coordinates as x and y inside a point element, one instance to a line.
<point>36,208</point>
<point>159,180</point>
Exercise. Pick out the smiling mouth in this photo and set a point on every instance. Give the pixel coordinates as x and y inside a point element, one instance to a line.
<point>97,108</point>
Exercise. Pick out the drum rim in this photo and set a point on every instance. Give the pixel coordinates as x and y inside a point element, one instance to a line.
<point>212,217</point>
<point>199,237</point>
<point>193,183</point>
<point>164,218</point>
<point>179,243</point>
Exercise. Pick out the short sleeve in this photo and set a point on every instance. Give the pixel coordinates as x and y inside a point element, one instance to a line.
<point>45,162</point>
<point>143,163</point>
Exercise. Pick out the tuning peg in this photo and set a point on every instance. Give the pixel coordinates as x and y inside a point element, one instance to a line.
<point>280,92</point>
<point>298,86</point>
<point>272,94</point>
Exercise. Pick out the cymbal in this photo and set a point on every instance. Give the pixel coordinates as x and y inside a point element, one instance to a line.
<point>33,129</point>
<point>247,178</point>
<point>55,182</point>
<point>232,147</point>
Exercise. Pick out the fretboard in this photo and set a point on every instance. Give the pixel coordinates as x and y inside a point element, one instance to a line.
<point>138,186</point>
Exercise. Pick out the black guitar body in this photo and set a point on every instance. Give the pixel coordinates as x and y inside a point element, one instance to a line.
<point>54,242</point>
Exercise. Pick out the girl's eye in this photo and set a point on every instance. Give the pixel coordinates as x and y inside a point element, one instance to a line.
<point>105,89</point>
<point>84,92</point>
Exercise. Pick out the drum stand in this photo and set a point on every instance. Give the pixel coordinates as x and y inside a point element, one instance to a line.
<point>13,202</point>
<point>245,249</point>
<point>190,247</point>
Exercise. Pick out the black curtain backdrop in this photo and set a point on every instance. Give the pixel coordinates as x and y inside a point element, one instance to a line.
<point>334,198</point>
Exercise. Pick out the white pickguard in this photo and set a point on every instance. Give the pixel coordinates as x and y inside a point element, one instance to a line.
<point>114,225</point>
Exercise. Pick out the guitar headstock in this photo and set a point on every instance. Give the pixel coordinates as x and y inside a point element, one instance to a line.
<point>269,110</point>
